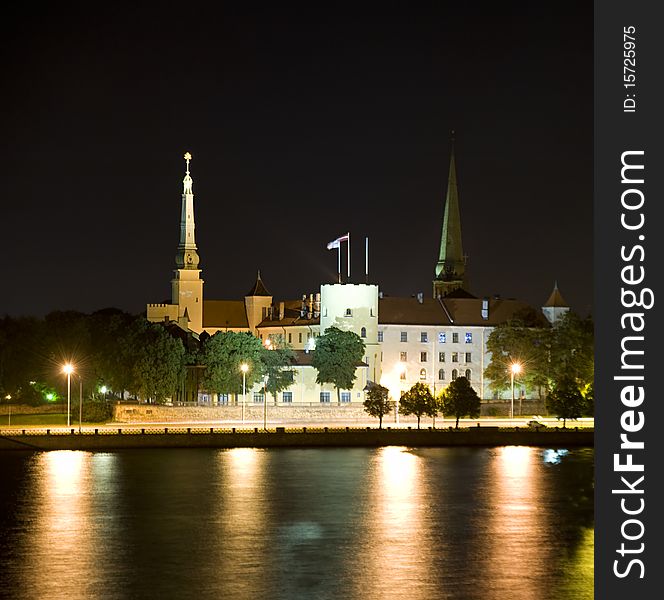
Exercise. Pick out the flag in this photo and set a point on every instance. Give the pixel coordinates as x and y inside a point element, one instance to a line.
<point>337,243</point>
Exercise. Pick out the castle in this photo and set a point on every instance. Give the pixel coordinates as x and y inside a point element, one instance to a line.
<point>432,340</point>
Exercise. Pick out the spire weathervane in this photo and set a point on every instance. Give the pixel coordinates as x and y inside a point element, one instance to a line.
<point>187,181</point>
<point>187,157</point>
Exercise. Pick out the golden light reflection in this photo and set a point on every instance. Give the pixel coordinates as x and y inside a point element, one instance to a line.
<point>397,536</point>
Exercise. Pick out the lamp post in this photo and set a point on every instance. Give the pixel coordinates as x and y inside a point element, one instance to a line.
<point>68,369</point>
<point>244,367</point>
<point>265,403</point>
<point>514,369</point>
<point>80,402</point>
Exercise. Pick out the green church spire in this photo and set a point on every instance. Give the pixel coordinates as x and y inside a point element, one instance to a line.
<point>451,265</point>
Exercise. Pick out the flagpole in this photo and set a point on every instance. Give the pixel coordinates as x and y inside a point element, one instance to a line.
<point>339,262</point>
<point>366,259</point>
<point>348,270</point>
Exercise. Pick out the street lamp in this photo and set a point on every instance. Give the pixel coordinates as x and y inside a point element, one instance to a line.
<point>68,369</point>
<point>515,368</point>
<point>244,367</point>
<point>265,402</point>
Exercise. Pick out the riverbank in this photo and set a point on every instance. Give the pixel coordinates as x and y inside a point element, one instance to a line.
<point>283,438</point>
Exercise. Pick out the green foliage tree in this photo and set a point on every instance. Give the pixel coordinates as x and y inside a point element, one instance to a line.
<point>566,400</point>
<point>377,404</point>
<point>417,401</point>
<point>277,363</point>
<point>461,400</point>
<point>158,361</point>
<point>336,357</point>
<point>588,393</point>
<point>223,353</point>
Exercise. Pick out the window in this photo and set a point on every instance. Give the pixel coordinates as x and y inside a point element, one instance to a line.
<point>423,374</point>
<point>441,374</point>
<point>223,399</point>
<point>287,397</point>
<point>442,337</point>
<point>455,357</point>
<point>290,338</point>
<point>345,397</point>
<point>325,397</point>
<point>258,398</point>
<point>469,356</point>
<point>469,337</point>
<point>455,374</point>
<point>403,375</point>
<point>403,356</point>
<point>424,337</point>
<point>380,336</point>
<point>363,332</point>
<point>299,337</point>
<point>349,312</point>
<point>423,357</point>
<point>441,357</point>
<point>404,336</point>
<point>467,374</point>
<point>308,335</point>
<point>455,338</point>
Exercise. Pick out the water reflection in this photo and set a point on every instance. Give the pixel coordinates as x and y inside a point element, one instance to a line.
<point>509,523</point>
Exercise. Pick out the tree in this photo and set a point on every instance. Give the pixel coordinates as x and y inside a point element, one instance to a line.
<point>158,361</point>
<point>566,400</point>
<point>278,359</point>
<point>377,404</point>
<point>222,355</point>
<point>417,401</point>
<point>589,399</point>
<point>336,358</point>
<point>461,400</point>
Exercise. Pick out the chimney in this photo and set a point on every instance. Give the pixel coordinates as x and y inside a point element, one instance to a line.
<point>485,308</point>
<point>380,295</point>
<point>282,309</point>
<point>317,305</point>
<point>303,308</point>
<point>420,297</point>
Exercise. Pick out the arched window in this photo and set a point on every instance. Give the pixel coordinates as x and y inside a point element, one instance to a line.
<point>441,375</point>
<point>455,374</point>
<point>363,332</point>
<point>468,374</point>
<point>423,374</point>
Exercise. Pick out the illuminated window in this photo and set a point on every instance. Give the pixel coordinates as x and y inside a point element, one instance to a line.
<point>469,338</point>
<point>403,375</point>
<point>455,338</point>
<point>441,374</point>
<point>441,357</point>
<point>287,397</point>
<point>363,333</point>
<point>455,374</point>
<point>442,337</point>
<point>259,398</point>
<point>467,374</point>
<point>423,357</point>
<point>380,336</point>
<point>345,397</point>
<point>290,338</point>
<point>455,357</point>
<point>424,337</point>
<point>325,397</point>
<point>403,356</point>
<point>223,399</point>
<point>404,336</point>
<point>469,356</point>
<point>423,374</point>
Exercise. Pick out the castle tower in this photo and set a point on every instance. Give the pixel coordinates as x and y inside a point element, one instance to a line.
<point>257,302</point>
<point>187,285</point>
<point>451,265</point>
<point>555,307</point>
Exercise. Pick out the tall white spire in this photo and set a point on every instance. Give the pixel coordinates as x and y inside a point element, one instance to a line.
<point>187,256</point>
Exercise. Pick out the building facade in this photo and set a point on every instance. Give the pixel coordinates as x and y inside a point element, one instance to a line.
<point>407,340</point>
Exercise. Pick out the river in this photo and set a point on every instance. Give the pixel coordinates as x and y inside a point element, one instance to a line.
<point>505,523</point>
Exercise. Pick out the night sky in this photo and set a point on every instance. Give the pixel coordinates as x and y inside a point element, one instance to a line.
<point>302,126</point>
